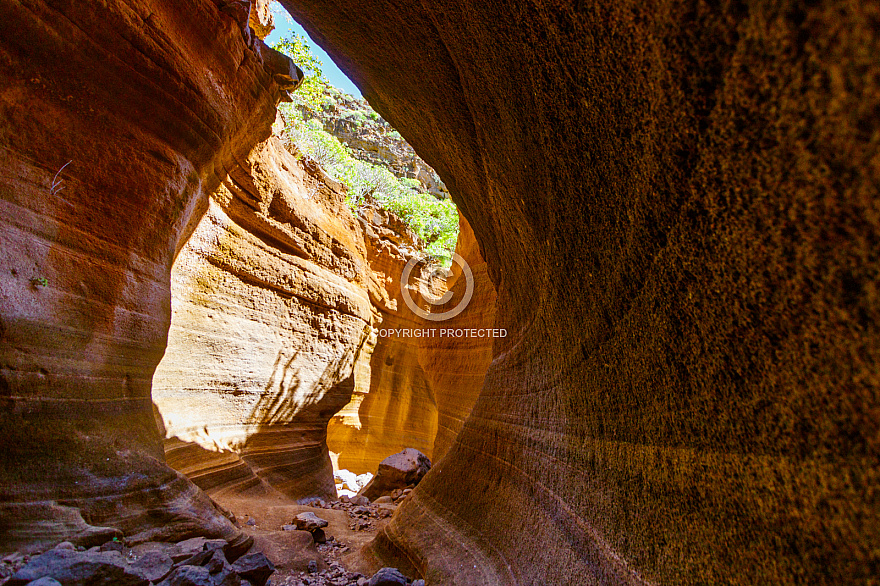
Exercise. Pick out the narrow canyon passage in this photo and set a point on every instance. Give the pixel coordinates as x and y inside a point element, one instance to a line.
<point>670,209</point>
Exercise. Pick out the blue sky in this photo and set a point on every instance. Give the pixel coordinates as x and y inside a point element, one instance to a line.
<point>284,25</point>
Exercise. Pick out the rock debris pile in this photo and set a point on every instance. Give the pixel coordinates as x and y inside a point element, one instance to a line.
<point>194,562</point>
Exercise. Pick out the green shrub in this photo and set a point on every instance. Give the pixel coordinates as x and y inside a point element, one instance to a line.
<point>310,94</point>
<point>434,221</point>
<point>411,183</point>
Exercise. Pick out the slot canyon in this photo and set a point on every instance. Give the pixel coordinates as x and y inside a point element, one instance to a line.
<point>669,233</point>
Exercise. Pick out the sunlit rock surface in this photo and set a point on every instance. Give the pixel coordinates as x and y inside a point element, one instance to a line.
<point>270,314</point>
<point>455,364</point>
<point>116,121</point>
<point>677,204</point>
<point>397,410</point>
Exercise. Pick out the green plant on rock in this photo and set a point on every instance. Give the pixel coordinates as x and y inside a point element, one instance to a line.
<point>310,94</point>
<point>434,221</point>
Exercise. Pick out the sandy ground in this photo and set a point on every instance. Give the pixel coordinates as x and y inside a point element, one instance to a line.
<point>263,516</point>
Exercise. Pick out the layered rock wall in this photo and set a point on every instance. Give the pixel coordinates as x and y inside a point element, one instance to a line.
<point>455,365</point>
<point>116,121</point>
<point>677,203</point>
<point>398,409</point>
<point>270,314</point>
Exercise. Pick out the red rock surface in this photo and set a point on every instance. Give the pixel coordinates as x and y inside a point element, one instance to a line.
<point>677,203</point>
<point>116,121</point>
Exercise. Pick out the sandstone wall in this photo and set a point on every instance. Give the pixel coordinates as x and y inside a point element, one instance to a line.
<point>677,203</point>
<point>116,121</point>
<point>270,314</point>
<point>397,409</point>
<point>455,366</point>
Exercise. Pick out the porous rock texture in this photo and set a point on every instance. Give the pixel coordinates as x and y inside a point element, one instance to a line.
<point>261,21</point>
<point>677,204</point>
<point>270,315</point>
<point>116,120</point>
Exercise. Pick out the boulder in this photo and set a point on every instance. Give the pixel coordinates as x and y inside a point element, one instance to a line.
<point>309,521</point>
<point>152,565</point>
<point>45,582</point>
<point>188,576</point>
<point>288,550</point>
<point>397,471</point>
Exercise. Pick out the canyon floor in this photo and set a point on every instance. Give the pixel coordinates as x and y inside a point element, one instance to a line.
<point>339,561</point>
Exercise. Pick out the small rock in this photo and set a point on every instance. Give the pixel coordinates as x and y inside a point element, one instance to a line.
<point>186,549</point>
<point>363,582</point>
<point>188,576</point>
<point>216,563</point>
<point>212,544</point>
<point>254,567</point>
<point>152,566</point>
<point>418,583</point>
<point>67,545</point>
<point>251,522</point>
<point>360,500</point>
<point>289,528</point>
<point>388,577</point>
<point>74,567</point>
<point>199,559</point>
<point>14,558</point>
<point>309,521</point>
<point>382,500</point>
<point>45,582</point>
<point>313,567</point>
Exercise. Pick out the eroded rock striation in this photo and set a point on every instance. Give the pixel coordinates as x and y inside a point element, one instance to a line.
<point>455,365</point>
<point>118,120</point>
<point>280,299</point>
<point>677,205</point>
<point>270,315</point>
<point>397,409</point>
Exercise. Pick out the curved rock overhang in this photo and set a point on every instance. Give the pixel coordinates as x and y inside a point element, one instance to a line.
<point>677,202</point>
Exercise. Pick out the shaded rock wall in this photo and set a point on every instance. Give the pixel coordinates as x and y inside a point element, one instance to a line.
<point>455,365</point>
<point>116,121</point>
<point>677,203</point>
<point>270,314</point>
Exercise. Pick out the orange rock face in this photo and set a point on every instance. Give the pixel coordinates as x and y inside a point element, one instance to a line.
<point>117,121</point>
<point>270,314</point>
<point>455,366</point>
<point>677,204</point>
<point>396,408</point>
